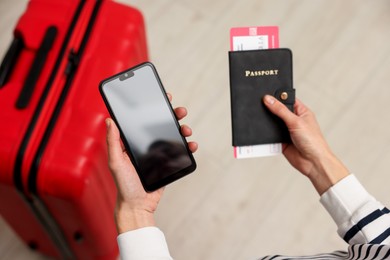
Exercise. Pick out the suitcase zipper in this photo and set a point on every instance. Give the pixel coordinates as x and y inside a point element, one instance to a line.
<point>23,147</point>
<point>35,203</point>
<point>74,58</point>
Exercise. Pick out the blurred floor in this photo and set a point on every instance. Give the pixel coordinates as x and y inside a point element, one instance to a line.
<point>240,209</point>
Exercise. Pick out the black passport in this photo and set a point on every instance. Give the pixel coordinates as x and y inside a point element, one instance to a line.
<point>253,74</point>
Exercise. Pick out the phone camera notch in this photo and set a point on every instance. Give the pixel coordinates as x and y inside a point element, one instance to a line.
<point>126,75</point>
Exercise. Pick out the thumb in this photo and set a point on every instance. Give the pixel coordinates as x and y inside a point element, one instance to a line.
<point>279,109</point>
<point>113,140</point>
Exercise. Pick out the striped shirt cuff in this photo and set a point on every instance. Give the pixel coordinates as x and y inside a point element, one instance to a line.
<point>344,198</point>
<point>360,218</point>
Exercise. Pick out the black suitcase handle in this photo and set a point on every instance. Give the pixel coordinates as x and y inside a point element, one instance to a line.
<point>10,59</point>
<point>36,68</point>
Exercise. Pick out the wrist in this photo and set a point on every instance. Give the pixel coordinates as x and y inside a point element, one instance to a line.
<point>128,219</point>
<point>327,171</point>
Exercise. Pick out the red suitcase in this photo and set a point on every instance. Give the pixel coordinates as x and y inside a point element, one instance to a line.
<point>55,187</point>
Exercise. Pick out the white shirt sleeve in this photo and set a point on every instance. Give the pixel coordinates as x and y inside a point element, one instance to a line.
<point>360,218</point>
<point>145,243</point>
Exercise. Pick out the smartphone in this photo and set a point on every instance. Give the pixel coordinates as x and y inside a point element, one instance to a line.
<point>150,132</point>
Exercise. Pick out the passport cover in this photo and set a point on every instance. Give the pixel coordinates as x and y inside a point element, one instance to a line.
<point>253,74</point>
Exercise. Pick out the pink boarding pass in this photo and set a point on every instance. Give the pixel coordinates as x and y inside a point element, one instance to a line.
<point>254,38</point>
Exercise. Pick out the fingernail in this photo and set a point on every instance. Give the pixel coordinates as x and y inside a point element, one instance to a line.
<point>269,99</point>
<point>108,122</point>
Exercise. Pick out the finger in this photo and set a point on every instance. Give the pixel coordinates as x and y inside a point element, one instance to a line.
<point>114,145</point>
<point>185,130</point>
<point>169,97</point>
<point>123,147</point>
<point>279,109</point>
<point>180,112</point>
<point>193,146</point>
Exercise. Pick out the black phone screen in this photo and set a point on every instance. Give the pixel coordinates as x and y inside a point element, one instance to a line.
<point>150,132</point>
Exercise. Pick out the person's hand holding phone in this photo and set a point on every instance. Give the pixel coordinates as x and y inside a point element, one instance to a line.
<point>135,207</point>
<point>148,126</point>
